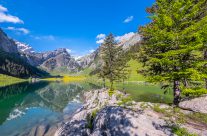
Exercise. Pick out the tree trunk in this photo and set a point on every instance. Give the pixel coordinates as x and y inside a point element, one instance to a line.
<point>177,92</point>
<point>112,84</point>
<point>123,85</point>
<point>186,83</point>
<point>104,83</point>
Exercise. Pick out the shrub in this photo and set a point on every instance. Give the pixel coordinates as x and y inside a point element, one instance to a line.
<point>90,118</point>
<point>126,101</point>
<point>194,92</point>
<point>111,92</point>
<point>181,131</point>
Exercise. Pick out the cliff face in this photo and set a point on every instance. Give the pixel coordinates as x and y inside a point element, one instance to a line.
<point>59,58</point>
<point>51,60</point>
<point>7,44</point>
<point>11,62</point>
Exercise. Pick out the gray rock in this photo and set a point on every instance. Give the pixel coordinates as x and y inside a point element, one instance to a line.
<point>197,104</point>
<point>7,44</point>
<point>113,120</point>
<point>117,121</point>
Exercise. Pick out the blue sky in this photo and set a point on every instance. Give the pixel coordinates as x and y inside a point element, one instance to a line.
<point>73,24</point>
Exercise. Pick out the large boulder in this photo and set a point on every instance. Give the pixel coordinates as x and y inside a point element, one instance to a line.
<point>101,116</point>
<point>197,104</point>
<point>117,121</point>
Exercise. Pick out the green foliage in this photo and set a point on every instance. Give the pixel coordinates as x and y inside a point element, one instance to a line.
<point>169,42</point>
<point>196,116</point>
<point>194,92</point>
<point>13,65</point>
<point>174,42</point>
<point>90,118</point>
<point>181,131</point>
<point>171,112</point>
<point>125,101</point>
<point>111,91</point>
<point>114,61</point>
<point>135,75</point>
<point>8,80</point>
<point>157,108</point>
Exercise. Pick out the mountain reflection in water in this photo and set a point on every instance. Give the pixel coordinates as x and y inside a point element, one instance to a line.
<point>26,105</point>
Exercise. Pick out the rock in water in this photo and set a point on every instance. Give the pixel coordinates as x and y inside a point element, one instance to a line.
<point>197,104</point>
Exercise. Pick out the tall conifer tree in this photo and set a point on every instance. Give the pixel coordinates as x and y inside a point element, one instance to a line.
<point>173,43</point>
<point>114,61</point>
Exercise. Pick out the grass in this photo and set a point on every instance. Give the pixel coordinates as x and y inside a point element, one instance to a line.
<point>200,117</point>
<point>134,66</point>
<point>181,131</point>
<point>176,117</point>
<point>65,79</point>
<point>73,78</point>
<point>8,80</point>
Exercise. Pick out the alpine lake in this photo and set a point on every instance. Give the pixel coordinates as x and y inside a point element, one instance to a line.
<point>25,106</point>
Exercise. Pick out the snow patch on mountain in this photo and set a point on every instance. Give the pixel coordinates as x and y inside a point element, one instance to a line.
<point>24,48</point>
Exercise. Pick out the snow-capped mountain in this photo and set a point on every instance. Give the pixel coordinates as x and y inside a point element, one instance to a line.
<point>24,48</point>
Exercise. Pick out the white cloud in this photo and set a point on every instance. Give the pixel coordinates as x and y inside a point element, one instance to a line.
<point>129,19</point>
<point>21,30</point>
<point>100,38</point>
<point>5,17</point>
<point>69,50</point>
<point>45,37</point>
<point>100,41</point>
<point>91,51</point>
<point>3,9</point>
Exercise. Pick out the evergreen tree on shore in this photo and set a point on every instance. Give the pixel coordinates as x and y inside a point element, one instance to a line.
<point>113,61</point>
<point>173,43</point>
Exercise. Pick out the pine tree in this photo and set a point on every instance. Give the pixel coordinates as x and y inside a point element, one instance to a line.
<point>108,55</point>
<point>114,62</point>
<point>172,44</point>
<point>123,71</point>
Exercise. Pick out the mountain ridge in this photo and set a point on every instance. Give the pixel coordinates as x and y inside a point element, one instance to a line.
<point>12,63</point>
<point>60,58</point>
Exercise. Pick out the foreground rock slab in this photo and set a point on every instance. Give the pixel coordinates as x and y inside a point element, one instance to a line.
<point>197,104</point>
<point>101,115</point>
<point>117,121</point>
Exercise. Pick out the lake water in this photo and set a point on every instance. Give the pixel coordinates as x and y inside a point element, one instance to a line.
<point>25,106</point>
<point>28,105</point>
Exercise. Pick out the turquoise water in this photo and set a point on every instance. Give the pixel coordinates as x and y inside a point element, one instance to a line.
<point>25,106</point>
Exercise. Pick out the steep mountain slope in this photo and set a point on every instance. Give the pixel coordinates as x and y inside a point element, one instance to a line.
<point>6,44</point>
<point>58,59</point>
<point>50,60</point>
<point>11,62</point>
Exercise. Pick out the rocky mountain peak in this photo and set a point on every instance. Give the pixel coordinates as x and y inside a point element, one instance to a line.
<point>24,48</point>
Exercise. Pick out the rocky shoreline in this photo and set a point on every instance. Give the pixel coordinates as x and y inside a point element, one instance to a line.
<point>103,115</point>
<point>111,115</point>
